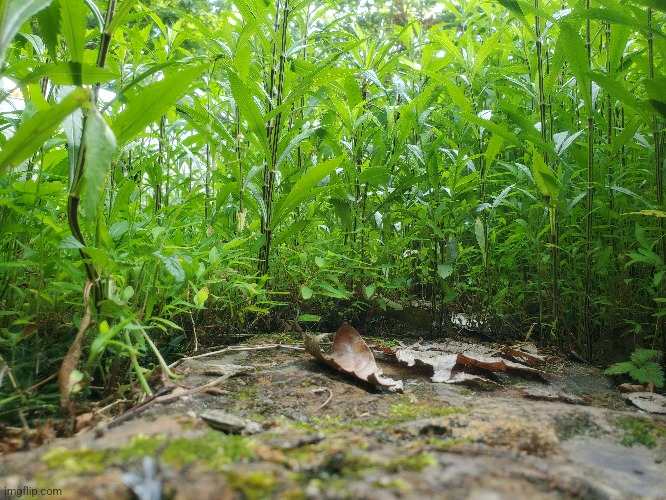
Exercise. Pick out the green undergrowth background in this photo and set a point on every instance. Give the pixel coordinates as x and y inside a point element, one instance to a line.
<point>215,169</point>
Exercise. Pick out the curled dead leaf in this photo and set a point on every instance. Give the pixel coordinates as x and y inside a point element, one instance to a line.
<point>451,361</point>
<point>350,354</point>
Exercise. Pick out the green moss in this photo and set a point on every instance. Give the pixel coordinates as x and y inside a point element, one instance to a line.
<point>382,342</point>
<point>281,337</point>
<point>140,445</point>
<point>247,392</point>
<point>570,426</point>
<point>414,463</point>
<point>79,461</point>
<point>641,431</point>
<point>254,485</point>
<point>395,483</point>
<point>444,444</point>
<point>213,450</point>
<point>403,412</point>
<point>397,414</point>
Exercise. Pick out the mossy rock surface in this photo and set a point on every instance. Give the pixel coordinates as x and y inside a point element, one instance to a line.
<point>326,435</point>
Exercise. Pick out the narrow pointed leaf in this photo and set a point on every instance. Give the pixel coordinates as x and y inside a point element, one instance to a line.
<point>151,102</point>
<point>73,26</point>
<point>13,14</point>
<point>303,188</point>
<point>249,109</point>
<point>100,146</point>
<point>32,134</point>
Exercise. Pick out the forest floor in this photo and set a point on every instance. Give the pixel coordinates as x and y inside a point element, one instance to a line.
<point>313,432</point>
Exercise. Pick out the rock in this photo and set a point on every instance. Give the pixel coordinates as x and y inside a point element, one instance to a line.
<point>229,423</point>
<point>648,401</point>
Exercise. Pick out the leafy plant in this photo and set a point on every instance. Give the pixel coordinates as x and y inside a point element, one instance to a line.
<point>641,367</point>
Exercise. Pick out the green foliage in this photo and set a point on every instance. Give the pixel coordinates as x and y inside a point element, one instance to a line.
<point>641,367</point>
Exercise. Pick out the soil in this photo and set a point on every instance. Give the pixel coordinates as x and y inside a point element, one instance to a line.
<point>324,435</point>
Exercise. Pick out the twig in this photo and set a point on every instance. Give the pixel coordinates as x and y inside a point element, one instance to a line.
<point>239,348</point>
<point>165,398</point>
<point>330,396</point>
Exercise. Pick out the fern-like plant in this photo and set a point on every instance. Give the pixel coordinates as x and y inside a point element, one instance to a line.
<point>642,367</point>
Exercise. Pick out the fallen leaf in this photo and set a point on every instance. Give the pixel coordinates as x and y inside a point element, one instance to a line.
<point>451,360</point>
<point>350,354</point>
<point>68,380</point>
<point>525,353</point>
<point>631,388</point>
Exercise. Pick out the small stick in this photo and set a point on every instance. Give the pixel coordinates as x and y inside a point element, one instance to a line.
<point>330,396</point>
<point>238,348</point>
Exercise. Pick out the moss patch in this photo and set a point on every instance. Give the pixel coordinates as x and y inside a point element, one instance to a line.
<point>213,450</point>
<point>254,485</point>
<point>79,461</point>
<point>641,431</point>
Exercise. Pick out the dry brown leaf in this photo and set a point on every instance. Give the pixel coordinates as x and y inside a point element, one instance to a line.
<point>523,353</point>
<point>450,359</point>
<point>631,388</point>
<point>350,354</point>
<point>70,362</point>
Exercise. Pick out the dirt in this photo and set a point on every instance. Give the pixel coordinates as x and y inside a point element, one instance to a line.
<point>325,435</point>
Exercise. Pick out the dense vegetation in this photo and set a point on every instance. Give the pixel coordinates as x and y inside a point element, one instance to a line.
<point>175,172</point>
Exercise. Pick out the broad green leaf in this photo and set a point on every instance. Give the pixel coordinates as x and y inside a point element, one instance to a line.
<point>213,256</point>
<point>369,291</point>
<point>352,91</point>
<point>486,49</point>
<point>70,242</point>
<point>151,102</point>
<point>49,27</point>
<point>173,266</point>
<point>572,44</point>
<point>655,91</point>
<point>495,128</point>
<point>617,90</point>
<point>117,229</point>
<point>201,297</point>
<point>13,13</point>
<point>249,109</point>
<point>494,147</point>
<point>545,179</point>
<point>309,318</point>
<point>70,73</point>
<point>479,231</point>
<point>32,134</point>
<point>100,146</point>
<point>306,292</point>
<point>73,27</point>
<point>444,270</point>
<point>330,291</point>
<point>302,190</point>
<point>321,262</point>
